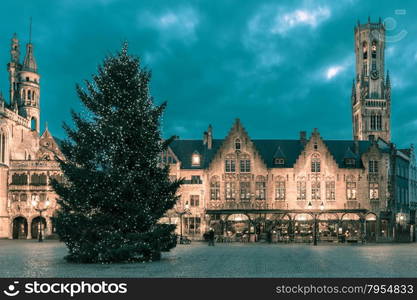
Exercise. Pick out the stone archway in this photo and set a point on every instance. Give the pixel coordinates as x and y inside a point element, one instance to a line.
<point>34,228</point>
<point>19,228</point>
<point>370,228</point>
<point>328,227</point>
<point>350,227</point>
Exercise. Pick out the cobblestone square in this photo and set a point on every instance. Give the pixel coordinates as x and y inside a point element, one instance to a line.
<point>32,259</point>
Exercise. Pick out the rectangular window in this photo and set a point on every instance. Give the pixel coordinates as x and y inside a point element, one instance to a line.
<point>215,190</point>
<point>260,190</point>
<point>379,123</point>
<point>373,166</point>
<point>280,190</point>
<point>301,190</point>
<point>315,166</point>
<point>372,122</point>
<point>315,190</point>
<point>230,191</point>
<point>330,191</point>
<point>194,200</point>
<point>245,191</point>
<point>230,165</point>
<point>196,179</point>
<point>245,165</point>
<point>351,190</point>
<point>374,191</point>
<point>192,225</point>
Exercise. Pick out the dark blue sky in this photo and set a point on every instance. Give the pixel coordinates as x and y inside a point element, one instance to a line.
<point>280,66</point>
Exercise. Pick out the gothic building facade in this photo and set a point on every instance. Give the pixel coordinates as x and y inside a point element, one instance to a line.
<point>307,188</point>
<point>26,156</point>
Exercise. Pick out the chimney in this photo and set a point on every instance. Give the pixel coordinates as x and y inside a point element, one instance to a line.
<point>303,137</point>
<point>356,147</point>
<point>209,137</point>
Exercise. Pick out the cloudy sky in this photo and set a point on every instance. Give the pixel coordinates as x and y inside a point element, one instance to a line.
<point>280,66</point>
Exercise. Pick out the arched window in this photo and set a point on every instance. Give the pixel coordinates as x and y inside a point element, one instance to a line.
<point>260,191</point>
<point>237,144</point>
<point>29,95</point>
<point>374,49</point>
<point>315,163</point>
<point>365,50</point>
<point>215,188</point>
<point>2,147</point>
<point>33,124</point>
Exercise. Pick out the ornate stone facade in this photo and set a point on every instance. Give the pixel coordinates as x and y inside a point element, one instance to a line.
<point>248,189</point>
<point>26,157</point>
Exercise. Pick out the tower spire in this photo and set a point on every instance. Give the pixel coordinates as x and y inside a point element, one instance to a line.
<point>30,30</point>
<point>29,64</point>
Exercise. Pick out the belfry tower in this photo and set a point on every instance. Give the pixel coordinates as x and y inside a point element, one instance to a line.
<point>24,82</point>
<point>371,90</point>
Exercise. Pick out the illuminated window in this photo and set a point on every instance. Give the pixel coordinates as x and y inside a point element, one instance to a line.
<point>260,189</point>
<point>301,190</point>
<point>373,190</point>
<point>315,190</point>
<point>245,191</point>
<point>280,190</point>
<point>230,191</point>
<point>351,190</point>
<point>195,159</point>
<point>214,188</point>
<point>330,191</point>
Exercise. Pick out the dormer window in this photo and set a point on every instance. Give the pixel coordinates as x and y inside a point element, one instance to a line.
<point>195,159</point>
<point>350,162</point>
<point>237,144</point>
<point>279,161</point>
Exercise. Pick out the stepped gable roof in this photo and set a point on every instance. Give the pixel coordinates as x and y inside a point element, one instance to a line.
<point>292,149</point>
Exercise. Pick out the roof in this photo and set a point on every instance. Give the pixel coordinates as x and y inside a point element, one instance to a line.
<point>184,149</point>
<point>268,149</point>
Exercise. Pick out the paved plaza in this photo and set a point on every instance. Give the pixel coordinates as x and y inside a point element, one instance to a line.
<point>32,259</point>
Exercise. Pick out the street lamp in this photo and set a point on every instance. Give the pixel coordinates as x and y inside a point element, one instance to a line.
<point>180,214</point>
<point>36,206</point>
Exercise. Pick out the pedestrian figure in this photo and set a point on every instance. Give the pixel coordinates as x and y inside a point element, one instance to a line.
<point>211,237</point>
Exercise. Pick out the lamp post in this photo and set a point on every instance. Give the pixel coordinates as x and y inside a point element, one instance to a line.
<point>180,214</point>
<point>36,206</point>
<point>310,206</point>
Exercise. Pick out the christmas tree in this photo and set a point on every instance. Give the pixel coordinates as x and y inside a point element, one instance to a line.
<point>115,190</point>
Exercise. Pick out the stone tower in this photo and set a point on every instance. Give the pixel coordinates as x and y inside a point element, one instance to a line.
<point>371,90</point>
<point>24,86</point>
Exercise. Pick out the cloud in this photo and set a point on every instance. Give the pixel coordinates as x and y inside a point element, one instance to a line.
<point>333,71</point>
<point>312,18</point>
<point>178,23</point>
